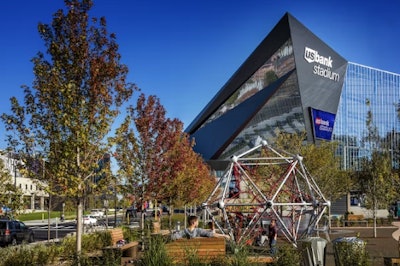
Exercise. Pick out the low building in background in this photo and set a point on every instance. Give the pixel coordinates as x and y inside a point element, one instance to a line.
<point>33,190</point>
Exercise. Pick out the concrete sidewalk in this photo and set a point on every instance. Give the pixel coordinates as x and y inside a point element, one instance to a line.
<point>396,234</point>
<point>384,245</point>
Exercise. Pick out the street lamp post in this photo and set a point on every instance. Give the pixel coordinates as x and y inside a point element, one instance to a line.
<point>63,212</point>
<point>15,173</point>
<point>106,209</point>
<point>14,165</point>
<point>115,207</point>
<point>115,202</point>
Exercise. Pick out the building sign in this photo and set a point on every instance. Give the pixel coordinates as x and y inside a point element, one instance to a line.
<point>322,64</point>
<point>323,124</point>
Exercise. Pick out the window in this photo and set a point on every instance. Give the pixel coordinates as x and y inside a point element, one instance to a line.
<point>357,199</point>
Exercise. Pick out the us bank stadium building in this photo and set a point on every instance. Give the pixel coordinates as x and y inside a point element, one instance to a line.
<point>293,82</point>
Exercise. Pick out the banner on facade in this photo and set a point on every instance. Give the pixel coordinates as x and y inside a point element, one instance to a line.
<point>323,124</point>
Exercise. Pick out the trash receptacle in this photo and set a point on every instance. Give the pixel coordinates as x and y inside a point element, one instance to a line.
<point>313,250</point>
<point>349,251</point>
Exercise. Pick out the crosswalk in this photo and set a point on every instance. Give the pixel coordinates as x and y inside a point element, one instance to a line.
<point>53,227</point>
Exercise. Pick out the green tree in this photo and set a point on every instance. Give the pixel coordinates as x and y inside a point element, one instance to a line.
<point>270,76</point>
<point>378,181</point>
<point>377,177</point>
<point>79,86</point>
<point>321,163</point>
<point>324,166</point>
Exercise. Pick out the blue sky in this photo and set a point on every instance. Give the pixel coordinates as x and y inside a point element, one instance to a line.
<point>185,51</point>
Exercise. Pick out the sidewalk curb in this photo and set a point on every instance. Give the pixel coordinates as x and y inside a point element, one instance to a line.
<point>396,234</point>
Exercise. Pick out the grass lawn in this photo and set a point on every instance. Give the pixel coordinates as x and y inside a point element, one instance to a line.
<point>44,215</point>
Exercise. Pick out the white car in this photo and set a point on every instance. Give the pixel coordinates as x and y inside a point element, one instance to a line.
<point>97,213</point>
<point>89,220</point>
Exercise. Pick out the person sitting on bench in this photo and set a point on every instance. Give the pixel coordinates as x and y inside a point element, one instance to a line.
<point>193,231</point>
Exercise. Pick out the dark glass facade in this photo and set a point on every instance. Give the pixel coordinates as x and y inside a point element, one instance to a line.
<point>281,113</point>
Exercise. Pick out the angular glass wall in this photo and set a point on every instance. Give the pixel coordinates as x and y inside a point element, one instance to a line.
<point>275,67</point>
<point>282,113</point>
<point>367,89</point>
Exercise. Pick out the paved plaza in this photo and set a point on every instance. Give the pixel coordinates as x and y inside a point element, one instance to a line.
<point>384,245</point>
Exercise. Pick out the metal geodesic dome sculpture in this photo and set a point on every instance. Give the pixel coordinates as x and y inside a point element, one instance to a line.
<point>263,184</point>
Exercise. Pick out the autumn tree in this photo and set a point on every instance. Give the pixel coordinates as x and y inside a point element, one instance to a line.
<point>156,156</point>
<point>187,179</point>
<point>79,85</point>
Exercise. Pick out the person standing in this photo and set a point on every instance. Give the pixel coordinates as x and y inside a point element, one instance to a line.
<point>211,226</point>
<point>272,236</point>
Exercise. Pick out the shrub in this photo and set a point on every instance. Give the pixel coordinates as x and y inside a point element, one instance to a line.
<point>287,256</point>
<point>90,242</point>
<point>156,254</point>
<point>335,221</point>
<point>390,219</point>
<point>131,234</point>
<point>38,254</point>
<point>240,253</point>
<point>350,251</point>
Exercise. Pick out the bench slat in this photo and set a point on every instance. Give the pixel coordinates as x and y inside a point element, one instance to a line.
<point>204,247</point>
<point>198,252</point>
<point>116,235</point>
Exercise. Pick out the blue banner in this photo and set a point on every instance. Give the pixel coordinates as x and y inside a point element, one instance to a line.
<point>323,124</point>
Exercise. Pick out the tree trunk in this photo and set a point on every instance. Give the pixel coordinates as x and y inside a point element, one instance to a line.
<point>171,211</point>
<point>79,229</point>
<point>184,212</point>
<point>142,220</point>
<point>375,211</point>
<point>49,219</point>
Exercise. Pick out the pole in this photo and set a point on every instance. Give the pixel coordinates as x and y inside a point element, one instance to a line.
<point>15,173</point>
<point>106,210</point>
<point>115,210</point>
<point>63,212</point>
<point>48,206</point>
<point>57,228</point>
<point>115,203</point>
<point>48,218</point>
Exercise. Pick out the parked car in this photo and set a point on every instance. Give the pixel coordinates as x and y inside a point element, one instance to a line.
<point>5,209</point>
<point>164,211</point>
<point>13,232</point>
<point>89,220</point>
<point>97,213</point>
<point>131,212</point>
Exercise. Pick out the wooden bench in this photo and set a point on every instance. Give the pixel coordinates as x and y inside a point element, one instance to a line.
<point>392,261</point>
<point>387,261</point>
<point>355,218</point>
<point>205,248</point>
<point>128,250</point>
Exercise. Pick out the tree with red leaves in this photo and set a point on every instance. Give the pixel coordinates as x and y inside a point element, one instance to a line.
<point>156,157</point>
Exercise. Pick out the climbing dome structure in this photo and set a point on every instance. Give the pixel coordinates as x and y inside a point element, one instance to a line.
<point>262,184</point>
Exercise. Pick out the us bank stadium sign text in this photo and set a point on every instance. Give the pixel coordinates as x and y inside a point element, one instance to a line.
<point>322,65</point>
